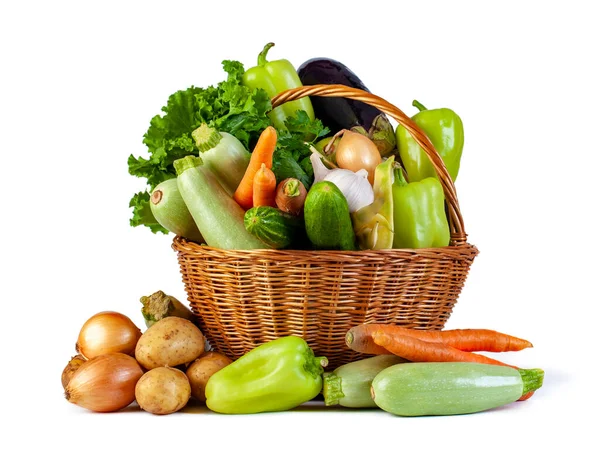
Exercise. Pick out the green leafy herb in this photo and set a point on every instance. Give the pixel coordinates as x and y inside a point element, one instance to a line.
<point>229,106</point>
<point>292,156</point>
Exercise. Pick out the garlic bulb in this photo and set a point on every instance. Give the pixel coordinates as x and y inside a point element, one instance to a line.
<point>354,185</point>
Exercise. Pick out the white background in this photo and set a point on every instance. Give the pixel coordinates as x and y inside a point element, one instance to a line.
<point>80,82</point>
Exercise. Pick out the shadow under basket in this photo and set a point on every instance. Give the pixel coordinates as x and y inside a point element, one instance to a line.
<point>243,298</point>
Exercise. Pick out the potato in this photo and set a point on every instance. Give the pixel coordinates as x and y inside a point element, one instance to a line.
<point>169,342</point>
<point>202,369</point>
<point>163,390</point>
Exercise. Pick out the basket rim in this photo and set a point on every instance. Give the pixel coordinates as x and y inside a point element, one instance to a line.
<point>180,243</point>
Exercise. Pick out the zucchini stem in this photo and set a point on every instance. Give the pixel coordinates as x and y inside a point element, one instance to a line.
<point>532,379</point>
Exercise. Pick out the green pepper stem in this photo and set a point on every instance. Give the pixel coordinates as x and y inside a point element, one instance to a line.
<point>532,379</point>
<point>262,56</point>
<point>332,389</point>
<point>399,179</point>
<point>419,105</point>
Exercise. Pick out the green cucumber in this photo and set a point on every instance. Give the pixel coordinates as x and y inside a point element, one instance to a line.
<point>350,385</point>
<point>448,388</point>
<point>169,209</point>
<point>274,227</point>
<point>218,217</point>
<point>327,218</point>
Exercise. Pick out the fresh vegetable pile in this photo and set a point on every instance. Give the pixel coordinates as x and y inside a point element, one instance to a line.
<point>405,372</point>
<point>227,170</point>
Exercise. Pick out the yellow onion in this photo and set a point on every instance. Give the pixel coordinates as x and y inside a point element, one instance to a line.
<point>355,152</point>
<point>73,365</point>
<point>105,383</point>
<point>107,332</point>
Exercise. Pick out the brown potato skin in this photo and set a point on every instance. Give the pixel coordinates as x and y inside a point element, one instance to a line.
<point>169,342</point>
<point>163,390</point>
<point>202,369</point>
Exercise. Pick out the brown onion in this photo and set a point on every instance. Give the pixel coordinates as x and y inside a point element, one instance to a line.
<point>105,383</point>
<point>107,332</point>
<point>355,151</point>
<point>72,367</point>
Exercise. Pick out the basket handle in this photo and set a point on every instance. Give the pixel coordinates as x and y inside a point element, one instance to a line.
<point>457,226</point>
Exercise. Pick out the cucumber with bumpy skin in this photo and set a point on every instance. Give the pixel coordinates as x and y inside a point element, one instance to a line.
<point>327,218</point>
<point>169,210</point>
<point>449,388</point>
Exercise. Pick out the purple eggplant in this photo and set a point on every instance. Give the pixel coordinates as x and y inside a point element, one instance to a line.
<point>338,113</point>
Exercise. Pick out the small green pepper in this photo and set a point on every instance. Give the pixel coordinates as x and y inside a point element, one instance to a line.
<point>275,77</point>
<point>445,131</point>
<point>277,376</point>
<point>419,217</point>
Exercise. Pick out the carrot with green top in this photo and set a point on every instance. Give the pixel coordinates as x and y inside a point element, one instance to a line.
<point>360,339</point>
<point>262,154</point>
<point>264,187</point>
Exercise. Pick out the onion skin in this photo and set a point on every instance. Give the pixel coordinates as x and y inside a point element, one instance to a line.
<point>107,332</point>
<point>73,366</point>
<point>105,383</point>
<point>355,151</point>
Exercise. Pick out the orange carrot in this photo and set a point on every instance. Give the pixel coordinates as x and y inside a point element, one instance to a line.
<point>416,350</point>
<point>262,153</point>
<point>264,187</point>
<point>468,340</point>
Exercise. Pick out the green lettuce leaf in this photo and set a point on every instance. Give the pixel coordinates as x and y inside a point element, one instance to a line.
<point>229,106</point>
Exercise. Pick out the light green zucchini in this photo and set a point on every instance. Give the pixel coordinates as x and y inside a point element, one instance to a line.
<point>448,388</point>
<point>169,209</point>
<point>350,385</point>
<point>218,217</point>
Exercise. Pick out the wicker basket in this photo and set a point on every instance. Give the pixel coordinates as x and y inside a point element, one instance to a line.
<point>243,298</point>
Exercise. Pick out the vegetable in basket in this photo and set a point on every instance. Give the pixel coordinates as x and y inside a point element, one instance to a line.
<point>327,218</point>
<point>419,217</point>
<point>276,376</point>
<point>338,113</point>
<point>169,210</point>
<point>262,154</point>
<point>374,223</point>
<point>445,130</point>
<point>350,384</point>
<point>448,388</point>
<point>275,77</point>
<point>275,228</point>
<point>218,217</point>
<point>228,107</point>
<point>223,154</point>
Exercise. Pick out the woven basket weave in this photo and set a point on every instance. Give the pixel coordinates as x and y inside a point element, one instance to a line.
<point>243,298</point>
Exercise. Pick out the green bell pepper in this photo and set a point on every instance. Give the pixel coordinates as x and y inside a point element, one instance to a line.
<point>276,376</point>
<point>275,77</point>
<point>445,131</point>
<point>419,216</point>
